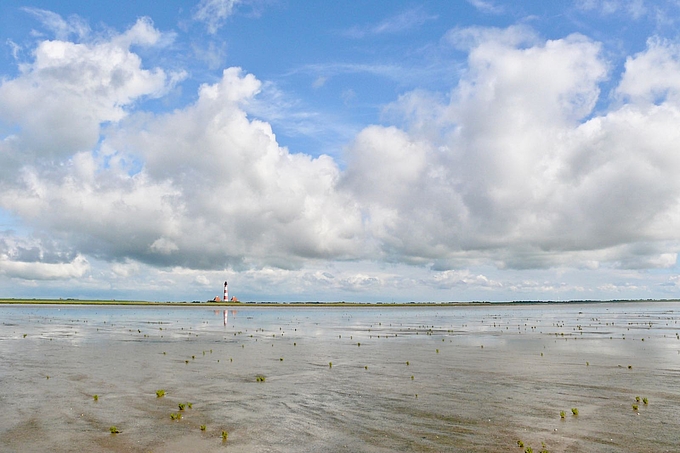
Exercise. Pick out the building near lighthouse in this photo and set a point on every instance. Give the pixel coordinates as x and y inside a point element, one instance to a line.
<point>225,297</point>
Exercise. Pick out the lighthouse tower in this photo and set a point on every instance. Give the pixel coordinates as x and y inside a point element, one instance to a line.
<point>226,292</point>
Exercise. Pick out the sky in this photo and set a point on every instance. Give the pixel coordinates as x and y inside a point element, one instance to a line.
<point>369,151</point>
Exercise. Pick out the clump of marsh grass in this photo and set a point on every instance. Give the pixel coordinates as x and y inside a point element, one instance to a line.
<point>160,393</point>
<point>225,435</point>
<point>182,406</point>
<point>574,411</point>
<point>175,416</point>
<point>635,407</point>
<point>114,430</point>
<point>645,400</point>
<point>562,414</point>
<point>260,378</point>
<point>95,397</point>
<point>203,427</point>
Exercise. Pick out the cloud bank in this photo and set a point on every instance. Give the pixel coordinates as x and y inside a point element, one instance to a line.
<point>517,167</point>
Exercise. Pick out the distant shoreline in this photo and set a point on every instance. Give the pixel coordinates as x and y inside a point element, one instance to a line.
<point>11,301</point>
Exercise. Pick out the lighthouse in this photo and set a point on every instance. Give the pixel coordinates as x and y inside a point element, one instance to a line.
<point>226,292</point>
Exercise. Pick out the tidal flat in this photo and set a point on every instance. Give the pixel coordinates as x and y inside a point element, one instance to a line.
<point>481,378</point>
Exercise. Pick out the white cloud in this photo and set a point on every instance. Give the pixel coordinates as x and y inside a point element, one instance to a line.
<point>213,54</point>
<point>619,287</point>
<point>634,8</point>
<point>514,169</point>
<point>399,23</point>
<point>125,269</point>
<point>319,82</point>
<point>490,182</point>
<point>486,6</point>
<point>389,71</point>
<point>216,189</point>
<point>545,288</point>
<point>163,246</point>
<point>142,33</point>
<point>16,48</point>
<point>202,280</point>
<point>60,100</point>
<point>470,38</point>
<point>214,12</point>
<point>452,279</point>
<point>348,96</point>
<point>651,75</point>
<point>43,271</point>
<point>517,171</point>
<point>62,29</point>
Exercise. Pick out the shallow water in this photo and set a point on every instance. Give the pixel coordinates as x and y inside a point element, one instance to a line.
<point>469,379</point>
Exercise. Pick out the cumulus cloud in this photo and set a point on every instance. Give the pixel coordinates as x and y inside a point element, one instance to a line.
<point>651,75</point>
<point>202,280</point>
<point>513,169</point>
<point>58,103</point>
<point>44,271</point>
<point>453,278</point>
<point>35,259</point>
<point>142,33</point>
<point>216,190</point>
<point>517,170</point>
<point>125,269</point>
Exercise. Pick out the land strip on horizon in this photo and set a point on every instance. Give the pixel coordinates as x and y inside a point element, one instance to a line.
<point>309,303</point>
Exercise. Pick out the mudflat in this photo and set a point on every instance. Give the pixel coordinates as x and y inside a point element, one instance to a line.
<point>355,379</point>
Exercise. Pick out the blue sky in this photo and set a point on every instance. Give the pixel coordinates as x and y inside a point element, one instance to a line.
<point>382,150</point>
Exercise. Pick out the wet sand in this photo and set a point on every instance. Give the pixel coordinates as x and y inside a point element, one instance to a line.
<point>468,379</point>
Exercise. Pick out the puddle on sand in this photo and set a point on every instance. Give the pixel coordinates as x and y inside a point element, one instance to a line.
<point>340,379</point>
